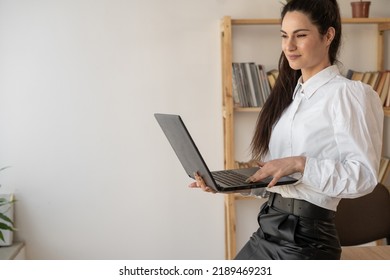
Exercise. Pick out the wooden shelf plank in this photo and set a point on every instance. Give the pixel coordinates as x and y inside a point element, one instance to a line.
<point>247,109</point>
<point>243,197</point>
<point>365,20</point>
<point>255,21</point>
<point>274,21</point>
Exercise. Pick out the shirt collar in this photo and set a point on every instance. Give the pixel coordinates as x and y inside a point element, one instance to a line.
<point>309,87</point>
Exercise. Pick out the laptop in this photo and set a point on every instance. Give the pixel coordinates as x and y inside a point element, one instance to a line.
<point>192,161</point>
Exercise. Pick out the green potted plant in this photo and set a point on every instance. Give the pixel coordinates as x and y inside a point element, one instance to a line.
<point>360,9</point>
<point>6,218</point>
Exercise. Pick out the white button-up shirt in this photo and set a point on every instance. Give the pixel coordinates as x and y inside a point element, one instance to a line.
<point>337,124</point>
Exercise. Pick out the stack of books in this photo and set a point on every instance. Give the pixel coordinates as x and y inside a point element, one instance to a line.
<point>379,80</point>
<point>251,86</point>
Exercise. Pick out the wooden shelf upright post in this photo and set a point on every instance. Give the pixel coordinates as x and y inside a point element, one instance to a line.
<point>228,124</point>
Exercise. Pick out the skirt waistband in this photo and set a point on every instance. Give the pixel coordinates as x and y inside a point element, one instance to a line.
<point>299,207</point>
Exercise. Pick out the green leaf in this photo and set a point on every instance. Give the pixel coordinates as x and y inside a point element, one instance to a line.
<point>4,201</point>
<point>6,227</point>
<point>5,218</point>
<point>1,236</point>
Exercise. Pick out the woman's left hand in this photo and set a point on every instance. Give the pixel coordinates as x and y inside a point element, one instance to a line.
<point>200,183</point>
<point>278,168</point>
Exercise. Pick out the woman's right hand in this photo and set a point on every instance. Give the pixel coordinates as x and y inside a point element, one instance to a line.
<point>200,183</point>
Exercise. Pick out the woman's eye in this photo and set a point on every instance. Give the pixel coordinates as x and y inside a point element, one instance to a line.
<point>301,35</point>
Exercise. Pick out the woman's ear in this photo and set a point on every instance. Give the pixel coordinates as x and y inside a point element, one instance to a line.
<point>330,35</point>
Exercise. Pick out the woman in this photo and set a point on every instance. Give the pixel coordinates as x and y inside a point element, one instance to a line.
<point>316,125</point>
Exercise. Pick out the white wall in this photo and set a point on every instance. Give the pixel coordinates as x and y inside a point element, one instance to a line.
<point>79,83</point>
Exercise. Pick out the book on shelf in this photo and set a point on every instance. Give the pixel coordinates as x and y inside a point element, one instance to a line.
<point>387,104</point>
<point>349,74</point>
<point>241,85</point>
<point>379,80</point>
<point>264,83</point>
<point>357,76</point>
<point>250,84</point>
<point>238,86</point>
<point>381,83</point>
<point>374,79</point>
<point>383,91</point>
<point>272,75</point>
<point>366,77</point>
<point>249,76</point>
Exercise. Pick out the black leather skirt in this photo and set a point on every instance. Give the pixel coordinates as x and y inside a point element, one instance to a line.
<point>292,229</point>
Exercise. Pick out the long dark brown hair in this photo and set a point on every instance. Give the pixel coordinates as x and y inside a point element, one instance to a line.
<point>323,14</point>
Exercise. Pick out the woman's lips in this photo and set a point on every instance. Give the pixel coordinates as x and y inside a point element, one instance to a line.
<point>293,57</point>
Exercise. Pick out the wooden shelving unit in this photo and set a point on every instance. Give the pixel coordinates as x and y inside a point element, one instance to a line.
<point>383,24</point>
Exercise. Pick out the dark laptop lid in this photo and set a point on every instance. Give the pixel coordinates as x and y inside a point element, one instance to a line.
<point>184,147</point>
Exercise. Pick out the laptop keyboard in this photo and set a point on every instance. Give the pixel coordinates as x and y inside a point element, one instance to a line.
<point>229,177</point>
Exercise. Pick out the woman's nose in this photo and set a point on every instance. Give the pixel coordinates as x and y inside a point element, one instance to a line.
<point>290,44</point>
